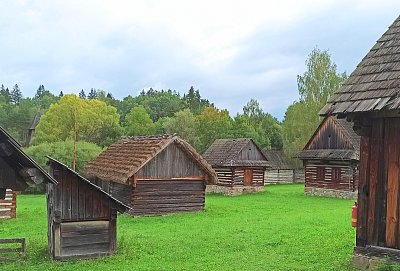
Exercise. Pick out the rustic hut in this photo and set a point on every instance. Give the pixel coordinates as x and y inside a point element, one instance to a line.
<point>82,217</point>
<point>370,98</point>
<point>240,166</point>
<point>280,171</point>
<point>154,175</point>
<point>330,160</point>
<point>18,171</point>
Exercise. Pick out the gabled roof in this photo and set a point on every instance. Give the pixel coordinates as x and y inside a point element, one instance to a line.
<point>345,128</point>
<point>126,157</point>
<point>374,84</point>
<point>225,152</point>
<point>17,159</point>
<point>276,158</point>
<point>122,207</point>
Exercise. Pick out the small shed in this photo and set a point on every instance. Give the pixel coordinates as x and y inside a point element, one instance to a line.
<point>370,99</point>
<point>330,160</point>
<point>154,175</point>
<point>280,171</point>
<point>82,217</point>
<point>239,164</point>
<point>18,171</point>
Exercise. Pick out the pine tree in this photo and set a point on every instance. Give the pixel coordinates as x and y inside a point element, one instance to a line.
<point>82,94</point>
<point>61,94</point>
<point>40,91</point>
<point>15,95</point>
<point>92,94</point>
<point>5,94</point>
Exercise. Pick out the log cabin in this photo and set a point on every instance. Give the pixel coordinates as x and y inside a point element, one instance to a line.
<point>370,99</point>
<point>154,175</point>
<point>330,160</point>
<point>82,217</point>
<point>18,171</point>
<point>239,164</point>
<point>280,171</point>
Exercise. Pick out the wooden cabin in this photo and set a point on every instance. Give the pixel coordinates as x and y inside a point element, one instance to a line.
<point>370,99</point>
<point>330,160</point>
<point>82,217</point>
<point>154,175</point>
<point>240,166</point>
<point>18,171</point>
<point>280,171</point>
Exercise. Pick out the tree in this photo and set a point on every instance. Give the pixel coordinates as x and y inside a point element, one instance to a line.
<point>82,94</point>
<point>315,86</point>
<point>183,123</point>
<point>88,120</point>
<point>194,101</point>
<point>61,94</point>
<point>92,94</point>
<point>138,122</point>
<point>39,91</point>
<point>15,95</point>
<point>5,94</point>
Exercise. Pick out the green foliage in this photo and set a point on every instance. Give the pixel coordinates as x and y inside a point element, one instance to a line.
<point>315,86</point>
<point>278,230</point>
<point>194,102</point>
<point>15,95</point>
<point>138,122</point>
<point>184,124</point>
<point>88,120</point>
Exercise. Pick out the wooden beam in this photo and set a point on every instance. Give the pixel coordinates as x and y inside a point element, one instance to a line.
<point>33,174</point>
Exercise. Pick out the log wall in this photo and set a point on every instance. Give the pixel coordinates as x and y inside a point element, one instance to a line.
<point>8,206</point>
<point>158,197</point>
<point>225,176</point>
<point>276,176</point>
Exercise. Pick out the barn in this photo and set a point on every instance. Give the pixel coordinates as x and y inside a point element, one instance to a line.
<point>370,99</point>
<point>330,160</point>
<point>280,171</point>
<point>154,175</point>
<point>18,171</point>
<point>239,164</point>
<point>82,218</point>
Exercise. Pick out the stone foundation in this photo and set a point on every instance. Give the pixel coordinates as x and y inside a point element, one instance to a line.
<point>322,192</point>
<point>233,191</point>
<point>366,263</point>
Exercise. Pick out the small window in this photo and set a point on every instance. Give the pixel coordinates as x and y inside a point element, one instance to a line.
<point>336,174</point>
<point>320,173</point>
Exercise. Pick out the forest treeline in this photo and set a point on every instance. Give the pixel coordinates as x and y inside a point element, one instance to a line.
<point>95,118</point>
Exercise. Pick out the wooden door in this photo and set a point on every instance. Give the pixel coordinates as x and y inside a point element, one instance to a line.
<point>248,177</point>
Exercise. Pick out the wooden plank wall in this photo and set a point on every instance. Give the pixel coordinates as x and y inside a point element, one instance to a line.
<point>225,176</point>
<point>250,152</point>
<point>172,162</point>
<point>346,183</point>
<point>258,177</point>
<point>157,197</point>
<point>122,192</point>
<point>238,176</point>
<point>8,206</point>
<point>275,176</point>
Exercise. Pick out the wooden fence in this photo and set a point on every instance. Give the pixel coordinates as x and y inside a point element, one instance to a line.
<point>12,246</point>
<point>8,205</point>
<point>276,176</point>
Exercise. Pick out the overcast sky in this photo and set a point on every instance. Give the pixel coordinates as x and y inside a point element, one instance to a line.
<point>231,51</point>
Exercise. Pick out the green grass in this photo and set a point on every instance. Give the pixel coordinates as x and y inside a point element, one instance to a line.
<point>280,229</point>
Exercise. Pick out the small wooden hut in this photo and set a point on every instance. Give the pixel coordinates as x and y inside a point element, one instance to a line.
<point>82,217</point>
<point>370,98</point>
<point>330,160</point>
<point>18,171</point>
<point>154,175</point>
<point>280,171</point>
<point>240,166</point>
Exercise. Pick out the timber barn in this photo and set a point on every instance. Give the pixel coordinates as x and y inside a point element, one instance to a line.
<point>330,160</point>
<point>154,175</point>
<point>82,218</point>
<point>18,171</point>
<point>370,98</point>
<point>239,164</point>
<point>280,171</point>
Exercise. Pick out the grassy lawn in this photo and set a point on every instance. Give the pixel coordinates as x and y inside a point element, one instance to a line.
<point>279,229</point>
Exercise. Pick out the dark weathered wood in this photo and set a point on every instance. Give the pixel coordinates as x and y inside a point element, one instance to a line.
<point>361,239</point>
<point>19,249</point>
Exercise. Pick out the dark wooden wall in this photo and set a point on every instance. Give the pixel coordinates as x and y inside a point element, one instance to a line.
<point>378,196</point>
<point>251,152</point>
<point>329,136</point>
<point>9,178</point>
<point>157,197</point>
<point>319,174</point>
<point>234,176</point>
<point>82,219</point>
<point>172,162</point>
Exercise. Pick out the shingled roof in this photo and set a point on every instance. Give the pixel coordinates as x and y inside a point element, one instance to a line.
<point>375,83</point>
<point>225,152</point>
<point>351,153</point>
<point>126,157</point>
<point>276,158</point>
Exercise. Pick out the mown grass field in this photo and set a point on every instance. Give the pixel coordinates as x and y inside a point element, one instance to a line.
<point>280,229</point>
